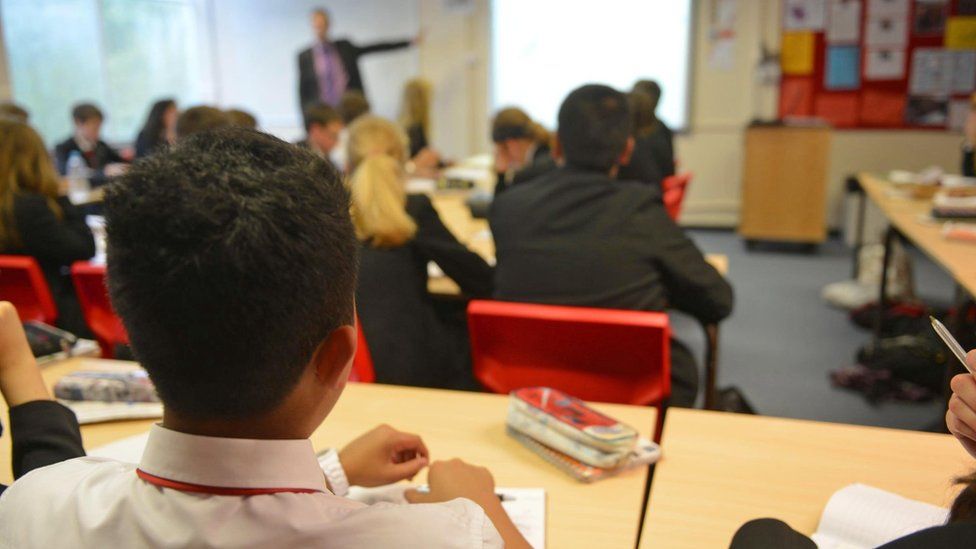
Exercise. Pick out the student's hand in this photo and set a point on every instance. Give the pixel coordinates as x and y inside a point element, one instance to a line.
<point>383,456</point>
<point>426,160</point>
<point>961,417</point>
<point>454,479</point>
<point>20,380</point>
<point>115,170</point>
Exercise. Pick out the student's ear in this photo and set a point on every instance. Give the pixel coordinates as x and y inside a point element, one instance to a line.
<point>557,149</point>
<point>628,152</point>
<point>334,356</point>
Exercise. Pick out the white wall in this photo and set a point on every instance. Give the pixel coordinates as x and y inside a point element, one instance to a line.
<point>5,90</point>
<point>256,45</point>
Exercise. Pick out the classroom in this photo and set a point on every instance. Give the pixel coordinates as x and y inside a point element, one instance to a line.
<point>488,273</point>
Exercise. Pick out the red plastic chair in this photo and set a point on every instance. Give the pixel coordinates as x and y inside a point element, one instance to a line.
<point>23,284</point>
<point>362,363</point>
<point>89,280</point>
<point>602,355</point>
<point>674,188</point>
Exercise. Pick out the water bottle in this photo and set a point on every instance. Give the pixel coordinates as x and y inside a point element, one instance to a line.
<point>77,173</point>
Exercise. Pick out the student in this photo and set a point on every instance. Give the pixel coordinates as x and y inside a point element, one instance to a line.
<point>409,342</point>
<point>12,111</point>
<point>960,530</point>
<point>36,220</point>
<point>238,301</point>
<point>578,236</point>
<point>98,156</point>
<point>323,126</point>
<point>159,131</point>
<point>663,137</point>
<point>521,148</point>
<point>200,119</point>
<point>415,114</point>
<point>352,105</point>
<point>42,431</point>
<point>644,163</point>
<point>242,119</point>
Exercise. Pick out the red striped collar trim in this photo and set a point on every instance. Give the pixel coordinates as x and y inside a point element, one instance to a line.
<point>216,490</point>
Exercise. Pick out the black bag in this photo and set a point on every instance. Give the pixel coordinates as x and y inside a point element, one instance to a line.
<point>731,399</point>
<point>919,358</point>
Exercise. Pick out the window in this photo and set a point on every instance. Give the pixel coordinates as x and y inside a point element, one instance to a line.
<point>120,54</point>
<point>543,49</point>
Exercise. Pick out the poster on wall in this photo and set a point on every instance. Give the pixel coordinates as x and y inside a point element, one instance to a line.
<point>931,72</point>
<point>886,29</point>
<point>930,17</point>
<point>963,71</point>
<point>721,34</point>
<point>796,53</point>
<point>843,68</point>
<point>960,33</point>
<point>884,63</point>
<point>958,113</point>
<point>844,22</point>
<point>804,14</point>
<point>927,111</point>
<point>888,7</point>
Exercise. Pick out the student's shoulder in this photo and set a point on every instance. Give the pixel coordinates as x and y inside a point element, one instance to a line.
<point>419,204</point>
<point>459,523</point>
<point>61,479</point>
<point>66,145</point>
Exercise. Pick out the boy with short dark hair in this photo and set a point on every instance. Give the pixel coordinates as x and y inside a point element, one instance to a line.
<point>323,130</point>
<point>103,160</point>
<point>232,263</point>
<point>580,236</point>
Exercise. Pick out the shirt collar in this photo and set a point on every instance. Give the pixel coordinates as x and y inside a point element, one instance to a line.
<point>232,462</point>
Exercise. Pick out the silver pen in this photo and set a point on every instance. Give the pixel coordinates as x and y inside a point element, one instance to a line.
<point>951,343</point>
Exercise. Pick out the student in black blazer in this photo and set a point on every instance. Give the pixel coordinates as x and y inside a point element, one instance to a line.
<point>647,164</point>
<point>343,52</point>
<point>98,156</point>
<point>579,236</point>
<point>522,150</point>
<point>661,138</point>
<point>410,340</point>
<point>37,221</point>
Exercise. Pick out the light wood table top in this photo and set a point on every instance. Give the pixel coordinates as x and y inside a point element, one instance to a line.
<point>721,470</point>
<point>911,218</point>
<point>476,235</point>
<point>466,425</point>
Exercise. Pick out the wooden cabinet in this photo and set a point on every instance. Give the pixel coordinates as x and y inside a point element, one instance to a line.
<point>784,184</point>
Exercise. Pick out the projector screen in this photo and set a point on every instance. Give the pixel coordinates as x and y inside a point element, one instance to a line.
<point>543,49</point>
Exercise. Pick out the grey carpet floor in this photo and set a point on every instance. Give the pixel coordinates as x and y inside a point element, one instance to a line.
<point>783,339</point>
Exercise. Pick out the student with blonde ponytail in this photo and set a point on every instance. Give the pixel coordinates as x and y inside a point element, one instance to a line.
<point>409,338</point>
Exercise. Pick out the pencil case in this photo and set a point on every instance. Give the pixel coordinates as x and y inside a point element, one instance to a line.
<point>106,386</point>
<point>572,418</point>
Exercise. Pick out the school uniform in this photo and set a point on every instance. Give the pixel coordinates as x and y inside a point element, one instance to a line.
<point>579,237</point>
<point>539,162</point>
<point>197,491</point>
<point>42,433</point>
<point>645,164</point>
<point>417,138</point>
<point>96,156</point>
<point>411,339</point>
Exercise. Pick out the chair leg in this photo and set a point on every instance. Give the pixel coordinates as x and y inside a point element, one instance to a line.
<point>711,365</point>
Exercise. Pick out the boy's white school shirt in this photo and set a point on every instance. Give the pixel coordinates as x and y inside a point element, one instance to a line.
<point>92,502</point>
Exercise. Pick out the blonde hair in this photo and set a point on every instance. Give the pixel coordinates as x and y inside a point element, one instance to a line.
<point>415,105</point>
<point>25,167</point>
<point>377,151</point>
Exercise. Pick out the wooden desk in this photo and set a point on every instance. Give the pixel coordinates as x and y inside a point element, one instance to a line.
<point>721,470</point>
<point>466,425</point>
<point>905,214</point>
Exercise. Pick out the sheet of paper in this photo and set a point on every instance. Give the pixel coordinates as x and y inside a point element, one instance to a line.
<point>839,109</point>
<point>886,29</point>
<point>844,22</point>
<point>930,17</point>
<point>804,14</point>
<point>963,71</point>
<point>882,108</point>
<point>796,97</point>
<point>843,71</point>
<point>796,53</point>
<point>860,516</point>
<point>958,113</point>
<point>931,72</point>
<point>960,33</point>
<point>884,64</point>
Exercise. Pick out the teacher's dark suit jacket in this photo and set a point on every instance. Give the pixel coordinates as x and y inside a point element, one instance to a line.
<point>308,82</point>
<point>578,237</point>
<point>410,339</point>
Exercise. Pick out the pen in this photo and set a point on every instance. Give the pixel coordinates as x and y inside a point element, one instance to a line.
<point>951,343</point>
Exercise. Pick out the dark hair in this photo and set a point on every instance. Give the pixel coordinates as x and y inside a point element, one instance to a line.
<point>13,111</point>
<point>242,119</point>
<point>642,113</point>
<point>231,256</point>
<point>199,119</point>
<point>320,114</point>
<point>352,105</point>
<point>83,112</point>
<point>153,132</point>
<point>964,506</point>
<point>651,88</point>
<point>514,123</point>
<point>594,125</point>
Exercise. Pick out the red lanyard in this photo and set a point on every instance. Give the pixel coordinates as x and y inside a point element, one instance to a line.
<point>216,490</point>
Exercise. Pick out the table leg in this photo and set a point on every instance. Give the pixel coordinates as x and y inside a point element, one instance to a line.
<point>854,186</point>
<point>889,241</point>
<point>711,365</point>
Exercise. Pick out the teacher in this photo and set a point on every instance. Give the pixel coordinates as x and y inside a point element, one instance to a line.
<point>328,69</point>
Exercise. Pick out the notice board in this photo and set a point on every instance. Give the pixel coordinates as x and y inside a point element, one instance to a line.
<point>896,64</point>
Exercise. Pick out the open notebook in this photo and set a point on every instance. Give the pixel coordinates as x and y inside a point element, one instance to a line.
<point>863,517</point>
<point>526,506</point>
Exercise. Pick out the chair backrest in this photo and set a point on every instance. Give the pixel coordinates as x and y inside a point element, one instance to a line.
<point>362,363</point>
<point>22,283</point>
<point>595,354</point>
<point>674,188</point>
<point>89,281</point>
